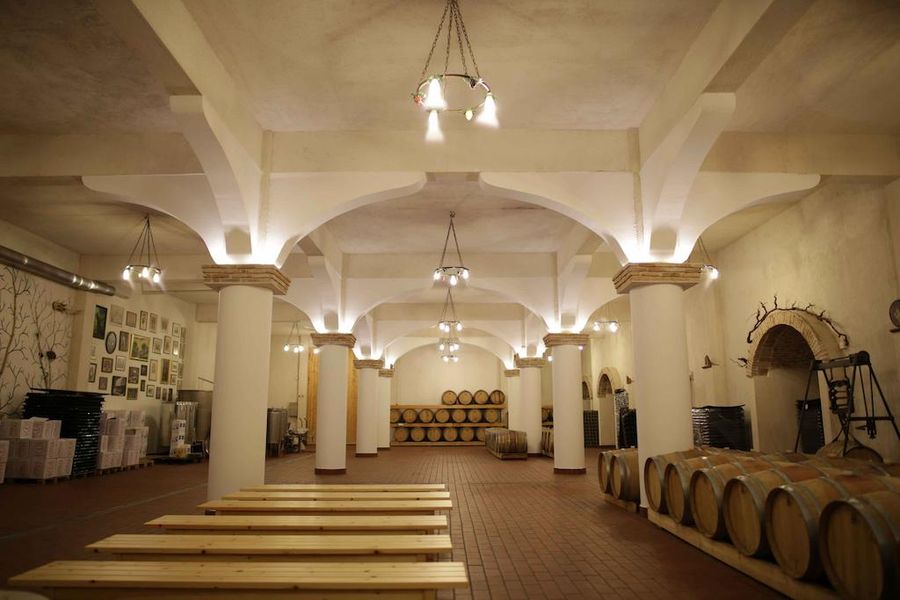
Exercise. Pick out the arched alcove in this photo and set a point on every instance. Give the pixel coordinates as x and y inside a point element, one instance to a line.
<point>420,376</point>
<point>608,382</point>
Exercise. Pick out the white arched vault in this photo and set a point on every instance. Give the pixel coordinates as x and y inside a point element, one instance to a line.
<point>405,345</point>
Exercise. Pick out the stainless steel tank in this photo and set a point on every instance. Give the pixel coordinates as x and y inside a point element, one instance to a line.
<point>276,425</point>
<point>203,398</point>
<point>166,414</point>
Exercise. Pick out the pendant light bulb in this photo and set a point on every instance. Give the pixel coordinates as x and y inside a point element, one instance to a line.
<point>145,273</point>
<point>156,277</point>
<point>126,274</point>
<point>488,114</point>
<point>434,133</point>
<point>297,349</point>
<point>596,326</point>
<point>454,280</point>
<point>459,326</point>
<point>286,348</point>
<point>434,96</point>
<point>469,114</point>
<point>437,274</point>
<point>613,326</point>
<point>441,347</point>
<point>465,274</point>
<point>456,359</point>
<point>445,358</point>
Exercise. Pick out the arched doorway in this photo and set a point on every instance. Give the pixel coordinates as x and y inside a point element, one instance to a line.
<point>607,385</point>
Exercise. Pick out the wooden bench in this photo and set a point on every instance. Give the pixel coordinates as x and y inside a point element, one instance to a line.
<point>301,524</point>
<point>342,487</point>
<point>96,580</point>
<point>347,495</point>
<point>371,548</point>
<point>327,507</point>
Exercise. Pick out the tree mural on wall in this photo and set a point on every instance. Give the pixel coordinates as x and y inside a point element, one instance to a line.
<point>35,334</point>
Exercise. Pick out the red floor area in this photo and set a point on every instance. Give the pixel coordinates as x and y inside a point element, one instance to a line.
<point>523,531</point>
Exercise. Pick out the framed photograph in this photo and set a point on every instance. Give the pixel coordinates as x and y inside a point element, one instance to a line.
<point>124,341</point>
<point>132,393</point>
<point>151,391</point>
<point>100,321</point>
<point>119,384</point>
<point>93,351</point>
<point>133,374</point>
<point>157,345</point>
<point>164,370</point>
<point>143,384</point>
<point>176,347</point>
<point>130,319</point>
<point>106,364</point>
<point>140,347</point>
<point>167,345</point>
<point>163,324</point>
<point>92,372</point>
<point>145,316</point>
<point>169,394</point>
<point>176,330</point>
<point>103,384</point>
<point>110,342</point>
<point>154,321</point>
<point>158,393</point>
<point>143,370</point>
<point>154,370</point>
<point>116,314</point>
<point>120,363</point>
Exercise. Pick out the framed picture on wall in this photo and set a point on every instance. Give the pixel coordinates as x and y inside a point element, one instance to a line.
<point>176,330</point>
<point>145,316</point>
<point>143,384</point>
<point>120,363</point>
<point>176,347</point>
<point>158,393</point>
<point>154,321</point>
<point>132,393</point>
<point>143,370</point>
<point>100,321</point>
<point>154,370</point>
<point>130,319</point>
<point>164,371</point>
<point>134,374</point>
<point>116,314</point>
<point>92,372</point>
<point>118,385</point>
<point>110,342</point>
<point>106,364</point>
<point>157,345</point>
<point>140,347</point>
<point>103,384</point>
<point>151,391</point>
<point>124,339</point>
<point>167,345</point>
<point>163,324</point>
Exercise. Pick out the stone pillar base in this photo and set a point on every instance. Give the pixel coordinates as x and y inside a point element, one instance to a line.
<point>365,454</point>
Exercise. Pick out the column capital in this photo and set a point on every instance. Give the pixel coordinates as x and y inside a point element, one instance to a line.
<point>368,363</point>
<point>263,276</point>
<point>524,363</point>
<point>511,372</point>
<point>385,372</point>
<point>566,339</point>
<point>635,275</point>
<point>333,339</point>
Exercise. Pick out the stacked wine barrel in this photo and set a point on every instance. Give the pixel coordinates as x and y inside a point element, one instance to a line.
<point>460,418</point>
<point>813,516</point>
<point>618,473</point>
<point>505,443</point>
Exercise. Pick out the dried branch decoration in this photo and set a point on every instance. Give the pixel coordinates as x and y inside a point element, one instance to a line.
<point>763,312</point>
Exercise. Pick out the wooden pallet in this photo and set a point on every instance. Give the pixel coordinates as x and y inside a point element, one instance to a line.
<point>509,455</point>
<point>38,481</point>
<point>763,571</point>
<point>626,504</point>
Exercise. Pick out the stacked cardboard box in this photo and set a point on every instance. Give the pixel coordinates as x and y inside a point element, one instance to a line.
<point>135,444</point>
<point>4,456</point>
<point>34,449</point>
<point>177,446</point>
<point>123,438</point>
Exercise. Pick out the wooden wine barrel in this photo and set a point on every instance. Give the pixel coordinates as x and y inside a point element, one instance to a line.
<point>479,433</point>
<point>603,470</point>
<point>466,434</point>
<point>448,397</point>
<point>401,434</point>
<point>417,434</point>
<point>442,415</point>
<point>505,443</point>
<point>624,475</point>
<point>475,415</point>
<point>426,415</point>
<point>491,415</point>
<point>481,397</point>
<point>655,470</point>
<point>547,441</point>
<point>395,415</point>
<point>792,517</point>
<point>859,544</point>
<point>450,434</point>
<point>464,397</point>
<point>433,434</point>
<point>855,450</point>
<point>458,415</point>
<point>708,486</point>
<point>409,415</point>
<point>497,397</point>
<point>677,482</point>
<point>744,503</point>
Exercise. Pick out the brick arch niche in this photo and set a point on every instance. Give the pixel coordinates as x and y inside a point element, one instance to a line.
<point>788,337</point>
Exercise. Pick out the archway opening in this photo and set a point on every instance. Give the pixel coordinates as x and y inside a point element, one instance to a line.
<point>606,408</point>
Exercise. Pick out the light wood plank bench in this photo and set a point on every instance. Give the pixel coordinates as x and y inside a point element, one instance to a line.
<point>96,580</point>
<point>347,495</point>
<point>367,548</point>
<point>301,524</point>
<point>342,487</point>
<point>327,507</point>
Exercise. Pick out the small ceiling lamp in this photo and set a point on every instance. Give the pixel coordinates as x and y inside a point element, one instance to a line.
<point>143,262</point>
<point>708,268</point>
<point>291,345</point>
<point>451,274</point>
<point>430,93</point>
<point>611,326</point>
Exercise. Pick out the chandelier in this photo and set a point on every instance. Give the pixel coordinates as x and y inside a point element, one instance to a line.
<point>144,252</point>
<point>290,345</point>
<point>450,325</point>
<point>451,274</point>
<point>431,91</point>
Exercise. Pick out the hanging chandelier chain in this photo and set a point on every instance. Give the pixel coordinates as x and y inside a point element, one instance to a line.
<point>456,20</point>
<point>456,243</point>
<point>136,244</point>
<point>462,54</point>
<point>152,245</point>
<point>462,26</point>
<point>437,36</point>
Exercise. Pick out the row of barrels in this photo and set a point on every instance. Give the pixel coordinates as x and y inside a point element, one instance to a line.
<point>478,397</point>
<point>445,415</point>
<point>438,434</point>
<point>813,515</point>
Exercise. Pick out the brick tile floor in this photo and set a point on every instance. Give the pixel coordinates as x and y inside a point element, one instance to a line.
<point>523,531</point>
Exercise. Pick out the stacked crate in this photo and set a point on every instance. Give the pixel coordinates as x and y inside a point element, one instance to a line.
<point>34,450</point>
<point>123,438</point>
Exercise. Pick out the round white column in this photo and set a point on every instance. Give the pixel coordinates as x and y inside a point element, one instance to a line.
<point>367,408</point>
<point>331,402</point>
<point>530,400</point>
<point>237,447</point>
<point>514,418</point>
<point>662,388</point>
<point>385,378</point>
<point>568,409</point>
